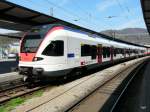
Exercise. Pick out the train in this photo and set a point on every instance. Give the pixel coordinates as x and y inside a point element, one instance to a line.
<point>55,50</point>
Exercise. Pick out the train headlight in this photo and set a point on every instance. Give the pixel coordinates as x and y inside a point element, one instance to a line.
<point>37,58</point>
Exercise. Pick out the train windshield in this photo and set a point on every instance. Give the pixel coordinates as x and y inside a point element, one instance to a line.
<point>30,43</point>
<point>34,37</point>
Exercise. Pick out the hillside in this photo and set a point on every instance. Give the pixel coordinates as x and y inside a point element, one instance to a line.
<point>134,35</point>
<point>128,31</point>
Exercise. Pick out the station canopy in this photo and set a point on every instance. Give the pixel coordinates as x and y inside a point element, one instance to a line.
<point>16,17</point>
<point>146,12</point>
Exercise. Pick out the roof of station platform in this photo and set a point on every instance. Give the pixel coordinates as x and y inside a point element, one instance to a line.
<point>146,12</point>
<point>16,17</point>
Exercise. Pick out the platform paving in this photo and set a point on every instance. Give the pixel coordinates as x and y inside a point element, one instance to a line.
<point>7,65</point>
<point>9,77</point>
<point>137,97</point>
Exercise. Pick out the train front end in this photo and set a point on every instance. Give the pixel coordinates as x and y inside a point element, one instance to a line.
<point>28,57</point>
<point>31,61</point>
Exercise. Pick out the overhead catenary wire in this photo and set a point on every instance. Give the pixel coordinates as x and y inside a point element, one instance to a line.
<point>122,8</point>
<point>69,12</point>
<point>126,9</point>
<point>92,18</point>
<point>84,18</point>
<point>75,18</point>
<point>69,15</point>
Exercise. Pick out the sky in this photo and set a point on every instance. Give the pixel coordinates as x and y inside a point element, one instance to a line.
<point>97,15</point>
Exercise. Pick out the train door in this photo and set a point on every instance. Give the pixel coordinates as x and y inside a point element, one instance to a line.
<point>111,53</point>
<point>99,53</point>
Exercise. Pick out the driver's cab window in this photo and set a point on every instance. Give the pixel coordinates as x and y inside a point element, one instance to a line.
<point>55,48</point>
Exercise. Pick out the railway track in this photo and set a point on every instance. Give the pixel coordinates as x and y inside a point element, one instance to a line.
<point>107,96</point>
<point>8,85</point>
<point>18,88</point>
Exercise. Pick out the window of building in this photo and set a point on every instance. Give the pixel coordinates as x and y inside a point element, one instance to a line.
<point>55,48</point>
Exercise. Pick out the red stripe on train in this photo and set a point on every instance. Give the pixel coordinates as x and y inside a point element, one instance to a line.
<point>49,32</point>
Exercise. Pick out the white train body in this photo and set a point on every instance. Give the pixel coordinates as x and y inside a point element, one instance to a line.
<point>64,49</point>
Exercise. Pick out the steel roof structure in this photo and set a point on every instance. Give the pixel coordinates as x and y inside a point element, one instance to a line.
<point>16,17</point>
<point>10,36</point>
<point>146,12</point>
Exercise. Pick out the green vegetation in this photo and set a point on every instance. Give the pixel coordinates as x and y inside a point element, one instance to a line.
<point>10,105</point>
<point>37,93</point>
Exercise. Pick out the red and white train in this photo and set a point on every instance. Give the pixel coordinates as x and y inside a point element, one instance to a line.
<point>52,50</point>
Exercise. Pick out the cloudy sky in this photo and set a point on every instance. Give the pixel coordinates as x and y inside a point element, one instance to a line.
<point>97,15</point>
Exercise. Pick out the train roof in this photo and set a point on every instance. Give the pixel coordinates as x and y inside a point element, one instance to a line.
<point>104,36</point>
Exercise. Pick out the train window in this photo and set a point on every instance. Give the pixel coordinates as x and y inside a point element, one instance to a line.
<point>122,51</point>
<point>55,48</point>
<point>118,51</point>
<point>93,51</point>
<point>142,51</point>
<point>115,51</point>
<point>85,50</point>
<point>31,43</point>
<point>106,52</point>
<point>131,51</point>
<point>136,51</point>
<point>128,51</point>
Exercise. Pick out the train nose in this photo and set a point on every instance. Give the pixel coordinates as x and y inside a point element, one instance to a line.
<point>25,70</point>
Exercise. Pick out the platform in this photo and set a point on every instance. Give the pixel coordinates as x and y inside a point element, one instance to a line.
<point>137,99</point>
<point>9,77</point>
<point>7,65</point>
